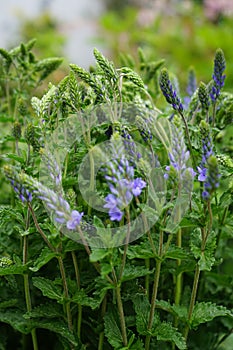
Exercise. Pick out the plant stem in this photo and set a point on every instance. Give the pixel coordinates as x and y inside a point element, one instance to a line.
<point>121,315</point>
<point>126,244</point>
<point>26,281</point>
<point>66,293</point>
<point>192,300</point>
<point>179,276</point>
<point>101,336</point>
<point>77,276</point>
<point>155,290</point>
<point>39,229</point>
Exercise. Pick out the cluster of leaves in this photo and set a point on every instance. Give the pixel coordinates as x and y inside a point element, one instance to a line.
<point>66,295</point>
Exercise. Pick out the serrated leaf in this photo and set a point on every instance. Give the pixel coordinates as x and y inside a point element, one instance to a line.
<point>47,310</point>
<point>48,288</point>
<point>175,252</point>
<point>142,310</point>
<point>205,312</point>
<point>82,298</point>
<point>45,256</point>
<point>57,326</point>
<point>140,251</point>
<point>99,254</point>
<point>166,332</point>
<point>112,330</point>
<point>16,269</point>
<point>132,272</point>
<point>206,257</point>
<point>14,317</point>
<point>8,303</point>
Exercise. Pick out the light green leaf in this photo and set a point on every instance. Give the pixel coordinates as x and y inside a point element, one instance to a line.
<point>166,332</point>
<point>205,312</point>
<point>207,257</point>
<point>132,272</point>
<point>140,251</point>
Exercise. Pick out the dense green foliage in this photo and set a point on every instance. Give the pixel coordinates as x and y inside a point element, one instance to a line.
<point>171,288</point>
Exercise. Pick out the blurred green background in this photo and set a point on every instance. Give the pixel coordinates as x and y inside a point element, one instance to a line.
<point>184,33</point>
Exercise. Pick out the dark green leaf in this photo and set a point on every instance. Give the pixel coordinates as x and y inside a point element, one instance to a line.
<point>48,288</point>
<point>45,256</point>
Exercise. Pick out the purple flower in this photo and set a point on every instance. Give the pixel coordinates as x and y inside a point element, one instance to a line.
<point>75,219</point>
<point>202,174</point>
<point>24,194</point>
<point>137,186</point>
<point>119,174</point>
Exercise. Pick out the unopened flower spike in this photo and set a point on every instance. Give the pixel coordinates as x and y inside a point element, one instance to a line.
<point>16,130</point>
<point>218,77</point>
<point>55,203</point>
<point>203,97</point>
<point>178,155</point>
<point>212,178</point>
<point>53,169</point>
<point>169,91</point>
<point>191,86</point>
<point>207,150</point>
<point>144,128</point>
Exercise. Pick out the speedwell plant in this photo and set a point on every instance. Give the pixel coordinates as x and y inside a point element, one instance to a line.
<point>116,215</point>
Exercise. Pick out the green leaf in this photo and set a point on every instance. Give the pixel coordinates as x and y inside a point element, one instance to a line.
<point>57,326</point>
<point>47,310</point>
<point>16,269</point>
<point>82,298</point>
<point>45,256</point>
<point>8,303</point>
<point>175,252</point>
<point>112,329</point>
<point>207,257</point>
<point>48,288</point>
<point>142,310</point>
<point>132,272</point>
<point>166,332</point>
<point>140,251</point>
<point>14,317</point>
<point>205,312</point>
<point>99,254</point>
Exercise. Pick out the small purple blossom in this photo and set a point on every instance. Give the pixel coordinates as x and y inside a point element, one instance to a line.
<point>119,174</point>
<point>24,194</point>
<point>75,220</point>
